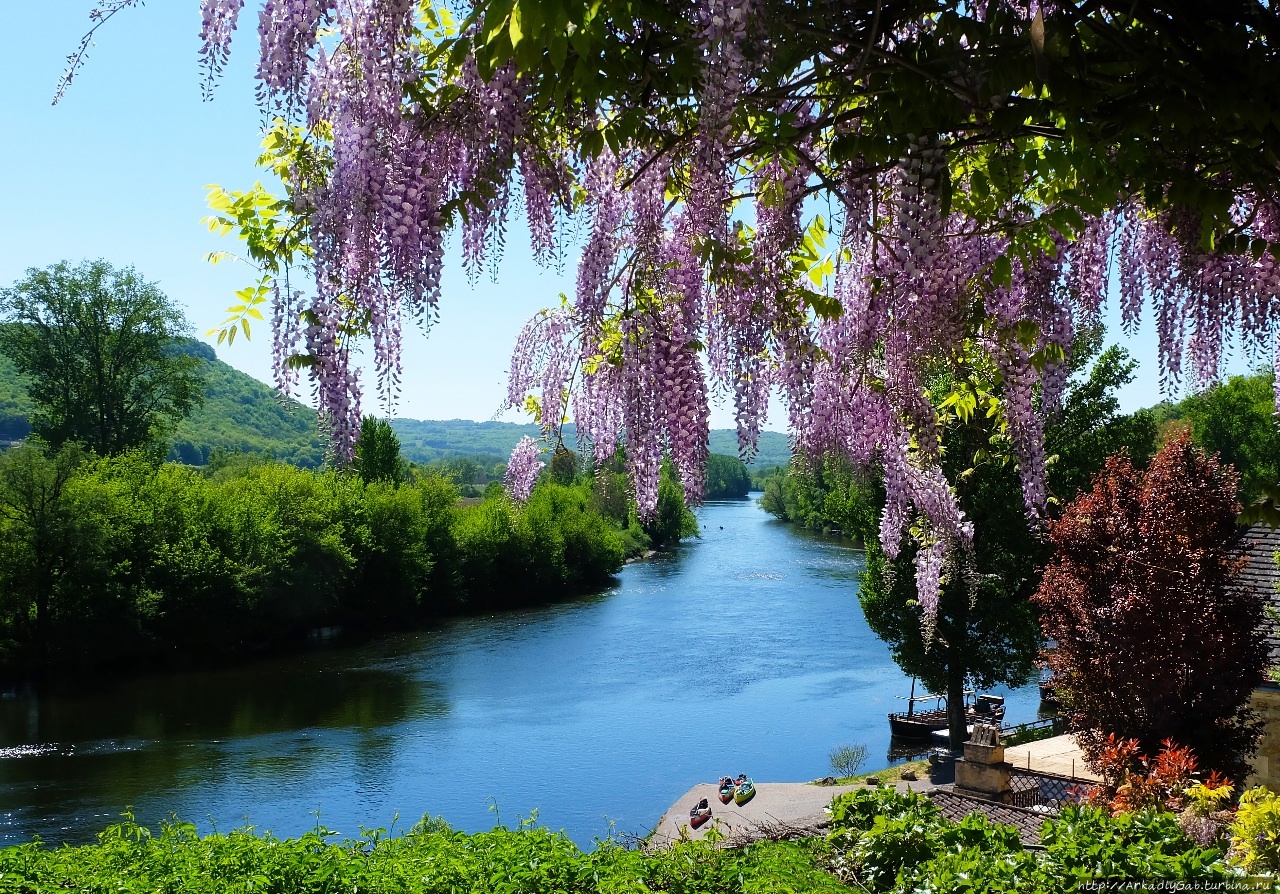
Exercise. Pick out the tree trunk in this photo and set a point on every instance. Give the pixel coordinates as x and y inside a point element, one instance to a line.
<point>41,580</point>
<point>957,724</point>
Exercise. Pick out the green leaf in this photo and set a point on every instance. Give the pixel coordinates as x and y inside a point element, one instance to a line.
<point>516,30</point>
<point>558,50</point>
<point>1002,271</point>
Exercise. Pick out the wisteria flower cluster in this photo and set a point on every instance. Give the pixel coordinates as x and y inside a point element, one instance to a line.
<point>523,468</point>
<point>704,271</point>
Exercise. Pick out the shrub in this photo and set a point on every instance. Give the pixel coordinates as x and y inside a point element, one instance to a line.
<point>1153,640</point>
<point>144,560</point>
<point>1205,817</point>
<point>1131,781</point>
<point>429,859</point>
<point>1255,832</point>
<point>886,841</point>
<point>847,760</point>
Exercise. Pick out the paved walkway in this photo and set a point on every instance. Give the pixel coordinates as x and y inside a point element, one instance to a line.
<point>793,805</point>
<point>1059,755</point>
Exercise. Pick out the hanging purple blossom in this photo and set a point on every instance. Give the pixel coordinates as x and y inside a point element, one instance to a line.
<point>217,22</point>
<point>522,469</point>
<point>689,281</point>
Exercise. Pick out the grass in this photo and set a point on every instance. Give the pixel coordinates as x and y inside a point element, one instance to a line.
<point>889,775</point>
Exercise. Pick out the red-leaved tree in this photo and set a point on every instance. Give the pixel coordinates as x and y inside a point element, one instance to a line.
<point>1153,639</point>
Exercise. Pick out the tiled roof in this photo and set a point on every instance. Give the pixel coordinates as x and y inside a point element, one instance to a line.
<point>1261,543</point>
<point>1029,822</point>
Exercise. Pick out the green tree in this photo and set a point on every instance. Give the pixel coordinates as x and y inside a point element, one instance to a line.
<point>727,478</point>
<point>1091,427</point>
<point>826,495</point>
<point>378,452</point>
<point>40,535</point>
<point>672,521</point>
<point>564,466</point>
<point>97,346</point>
<point>1237,421</point>
<point>987,631</point>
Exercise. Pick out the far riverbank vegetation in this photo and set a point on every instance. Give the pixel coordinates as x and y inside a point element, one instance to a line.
<point>118,561</point>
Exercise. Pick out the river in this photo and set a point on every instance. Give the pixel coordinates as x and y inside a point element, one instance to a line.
<point>743,651</point>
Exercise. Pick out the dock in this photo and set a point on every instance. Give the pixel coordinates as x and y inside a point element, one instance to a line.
<point>1060,756</point>
<point>794,806</point>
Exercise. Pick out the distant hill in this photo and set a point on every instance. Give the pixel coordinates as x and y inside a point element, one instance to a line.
<point>775,447</point>
<point>428,440</point>
<point>241,413</point>
<point>15,406</point>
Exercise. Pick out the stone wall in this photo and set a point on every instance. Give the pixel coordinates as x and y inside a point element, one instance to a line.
<point>1266,760</point>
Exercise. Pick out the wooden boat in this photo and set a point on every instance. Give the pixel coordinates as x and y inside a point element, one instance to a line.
<point>727,789</point>
<point>745,791</point>
<point>913,724</point>
<point>1047,694</point>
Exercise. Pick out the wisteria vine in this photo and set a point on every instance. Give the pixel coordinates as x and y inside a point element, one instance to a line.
<point>702,270</point>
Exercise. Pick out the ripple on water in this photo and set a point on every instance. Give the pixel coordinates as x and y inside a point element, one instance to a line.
<point>40,750</point>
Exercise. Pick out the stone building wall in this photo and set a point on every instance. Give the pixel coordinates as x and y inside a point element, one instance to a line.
<point>1266,760</point>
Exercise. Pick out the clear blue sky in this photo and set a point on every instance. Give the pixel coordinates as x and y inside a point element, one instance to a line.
<point>118,171</point>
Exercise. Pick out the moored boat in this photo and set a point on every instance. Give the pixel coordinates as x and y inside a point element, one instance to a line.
<point>699,814</point>
<point>727,789</point>
<point>913,724</point>
<point>745,791</point>
<point>1048,695</point>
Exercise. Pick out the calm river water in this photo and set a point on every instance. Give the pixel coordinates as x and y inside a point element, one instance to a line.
<point>745,651</point>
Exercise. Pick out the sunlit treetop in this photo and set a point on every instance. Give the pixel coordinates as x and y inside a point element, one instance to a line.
<point>831,199</point>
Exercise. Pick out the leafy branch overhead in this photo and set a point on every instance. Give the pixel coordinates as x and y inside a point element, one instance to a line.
<point>977,167</point>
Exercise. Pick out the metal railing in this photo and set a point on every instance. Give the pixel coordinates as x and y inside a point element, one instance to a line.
<point>1022,733</point>
<point>1031,789</point>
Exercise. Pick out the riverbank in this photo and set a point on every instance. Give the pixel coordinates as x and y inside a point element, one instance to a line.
<point>126,564</point>
<point>743,650</point>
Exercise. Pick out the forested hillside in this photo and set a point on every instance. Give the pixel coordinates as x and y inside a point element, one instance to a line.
<point>427,440</point>
<point>15,406</point>
<point>243,414</point>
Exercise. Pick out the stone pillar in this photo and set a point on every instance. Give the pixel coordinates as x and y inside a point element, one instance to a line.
<point>983,771</point>
<point>1266,760</point>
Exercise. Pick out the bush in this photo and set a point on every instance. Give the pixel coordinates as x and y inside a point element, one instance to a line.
<point>429,859</point>
<point>138,561</point>
<point>884,841</point>
<point>1255,832</point>
<point>1131,781</point>
<point>847,760</point>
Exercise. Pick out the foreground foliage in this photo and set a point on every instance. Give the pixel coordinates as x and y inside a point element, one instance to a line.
<point>430,859</point>
<point>1255,832</point>
<point>888,841</point>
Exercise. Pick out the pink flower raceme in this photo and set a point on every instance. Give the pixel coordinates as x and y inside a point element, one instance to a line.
<point>694,278</point>
<point>522,469</point>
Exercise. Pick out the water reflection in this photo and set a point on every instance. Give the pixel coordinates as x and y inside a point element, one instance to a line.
<point>262,698</point>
